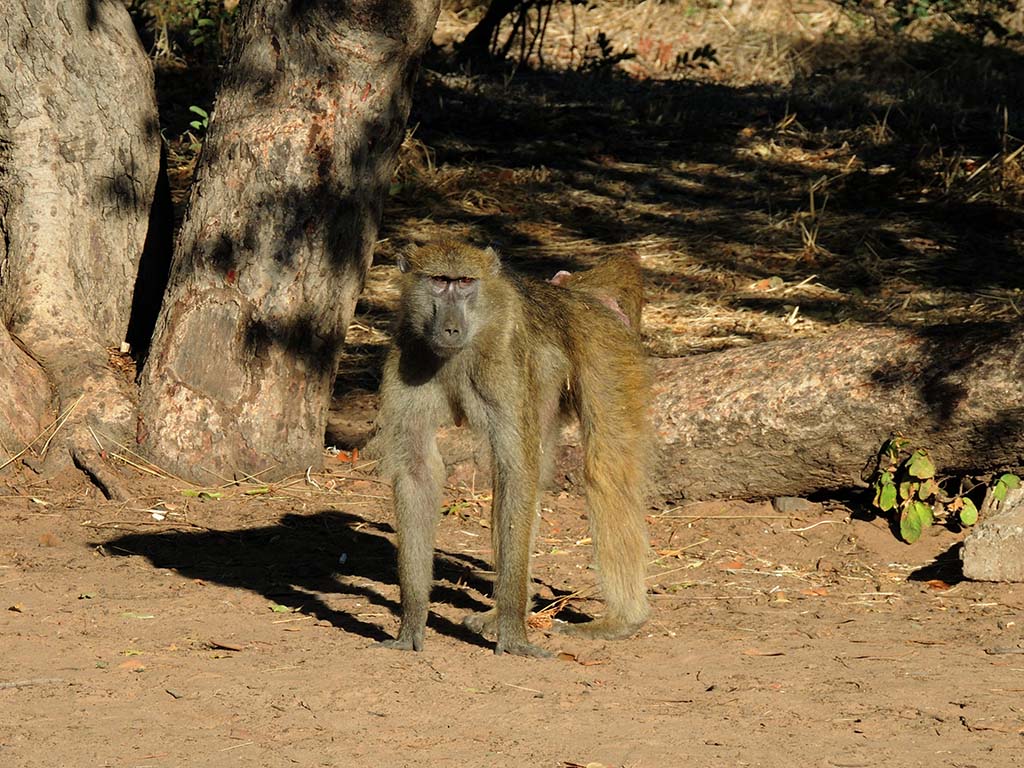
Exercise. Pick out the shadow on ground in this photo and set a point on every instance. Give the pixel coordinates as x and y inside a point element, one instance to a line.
<point>303,559</point>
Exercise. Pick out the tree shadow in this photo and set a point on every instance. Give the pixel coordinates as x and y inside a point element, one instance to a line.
<point>302,560</point>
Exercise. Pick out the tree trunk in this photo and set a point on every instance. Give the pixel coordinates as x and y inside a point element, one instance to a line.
<point>279,234</point>
<point>791,418</point>
<point>78,165</point>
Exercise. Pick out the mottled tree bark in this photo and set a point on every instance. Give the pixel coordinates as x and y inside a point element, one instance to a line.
<point>79,153</point>
<point>24,398</point>
<point>279,234</point>
<point>791,418</point>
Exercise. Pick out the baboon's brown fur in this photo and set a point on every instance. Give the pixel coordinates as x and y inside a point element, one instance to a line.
<point>526,353</point>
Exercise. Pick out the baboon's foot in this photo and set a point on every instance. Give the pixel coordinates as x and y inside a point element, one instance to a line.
<point>606,628</point>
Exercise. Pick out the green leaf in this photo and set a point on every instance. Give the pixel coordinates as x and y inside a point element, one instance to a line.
<point>969,513</point>
<point>999,491</point>
<point>886,478</point>
<point>915,518</point>
<point>920,466</point>
<point>276,608</point>
<point>199,111</point>
<point>196,125</point>
<point>263,489</point>
<point>924,513</point>
<point>910,526</point>
<point>1010,480</point>
<point>887,497</point>
<point>929,489</point>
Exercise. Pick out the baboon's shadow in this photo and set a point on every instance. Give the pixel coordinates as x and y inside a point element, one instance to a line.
<point>302,557</point>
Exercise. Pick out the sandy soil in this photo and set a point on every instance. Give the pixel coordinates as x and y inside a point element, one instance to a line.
<point>240,630</point>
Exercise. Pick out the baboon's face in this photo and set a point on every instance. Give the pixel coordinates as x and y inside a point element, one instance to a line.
<point>443,293</point>
<point>442,309</point>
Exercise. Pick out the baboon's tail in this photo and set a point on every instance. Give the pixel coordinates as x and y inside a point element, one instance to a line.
<point>617,447</point>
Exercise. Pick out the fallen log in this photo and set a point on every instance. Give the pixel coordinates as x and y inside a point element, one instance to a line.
<point>796,417</point>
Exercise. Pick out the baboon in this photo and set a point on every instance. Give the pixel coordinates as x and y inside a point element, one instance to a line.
<point>616,282</point>
<point>512,356</point>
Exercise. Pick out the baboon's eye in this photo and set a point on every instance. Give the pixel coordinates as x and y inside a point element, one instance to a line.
<point>465,282</point>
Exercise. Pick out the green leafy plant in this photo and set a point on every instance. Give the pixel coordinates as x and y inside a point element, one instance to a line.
<point>905,487</point>
<point>194,29</point>
<point>1003,484</point>
<point>200,34</point>
<point>204,118</point>
<point>199,126</point>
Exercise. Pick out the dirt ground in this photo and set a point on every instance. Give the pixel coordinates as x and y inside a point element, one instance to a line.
<point>808,181</point>
<point>240,630</point>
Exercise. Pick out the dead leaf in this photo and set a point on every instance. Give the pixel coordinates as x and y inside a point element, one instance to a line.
<point>815,592</point>
<point>938,585</point>
<point>731,565</point>
<point>540,621</point>
<point>670,552</point>
<point>48,540</point>
<point>132,665</point>
<point>566,656</point>
<point>758,652</point>
<point>768,284</point>
<point>17,608</point>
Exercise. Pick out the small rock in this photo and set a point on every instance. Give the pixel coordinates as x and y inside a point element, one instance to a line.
<point>994,550</point>
<point>794,505</point>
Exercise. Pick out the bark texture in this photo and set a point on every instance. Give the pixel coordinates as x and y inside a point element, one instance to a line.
<point>78,166</point>
<point>791,418</point>
<point>279,234</point>
<point>24,398</point>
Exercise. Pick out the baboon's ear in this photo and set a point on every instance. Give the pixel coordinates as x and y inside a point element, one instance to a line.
<point>495,259</point>
<point>402,262</point>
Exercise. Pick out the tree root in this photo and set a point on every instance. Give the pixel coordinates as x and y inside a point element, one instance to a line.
<point>100,473</point>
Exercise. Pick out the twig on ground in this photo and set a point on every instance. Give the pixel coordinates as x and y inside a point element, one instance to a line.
<point>33,682</point>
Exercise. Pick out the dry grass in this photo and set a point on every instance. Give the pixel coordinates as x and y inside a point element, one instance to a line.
<point>825,172</point>
<point>822,175</point>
